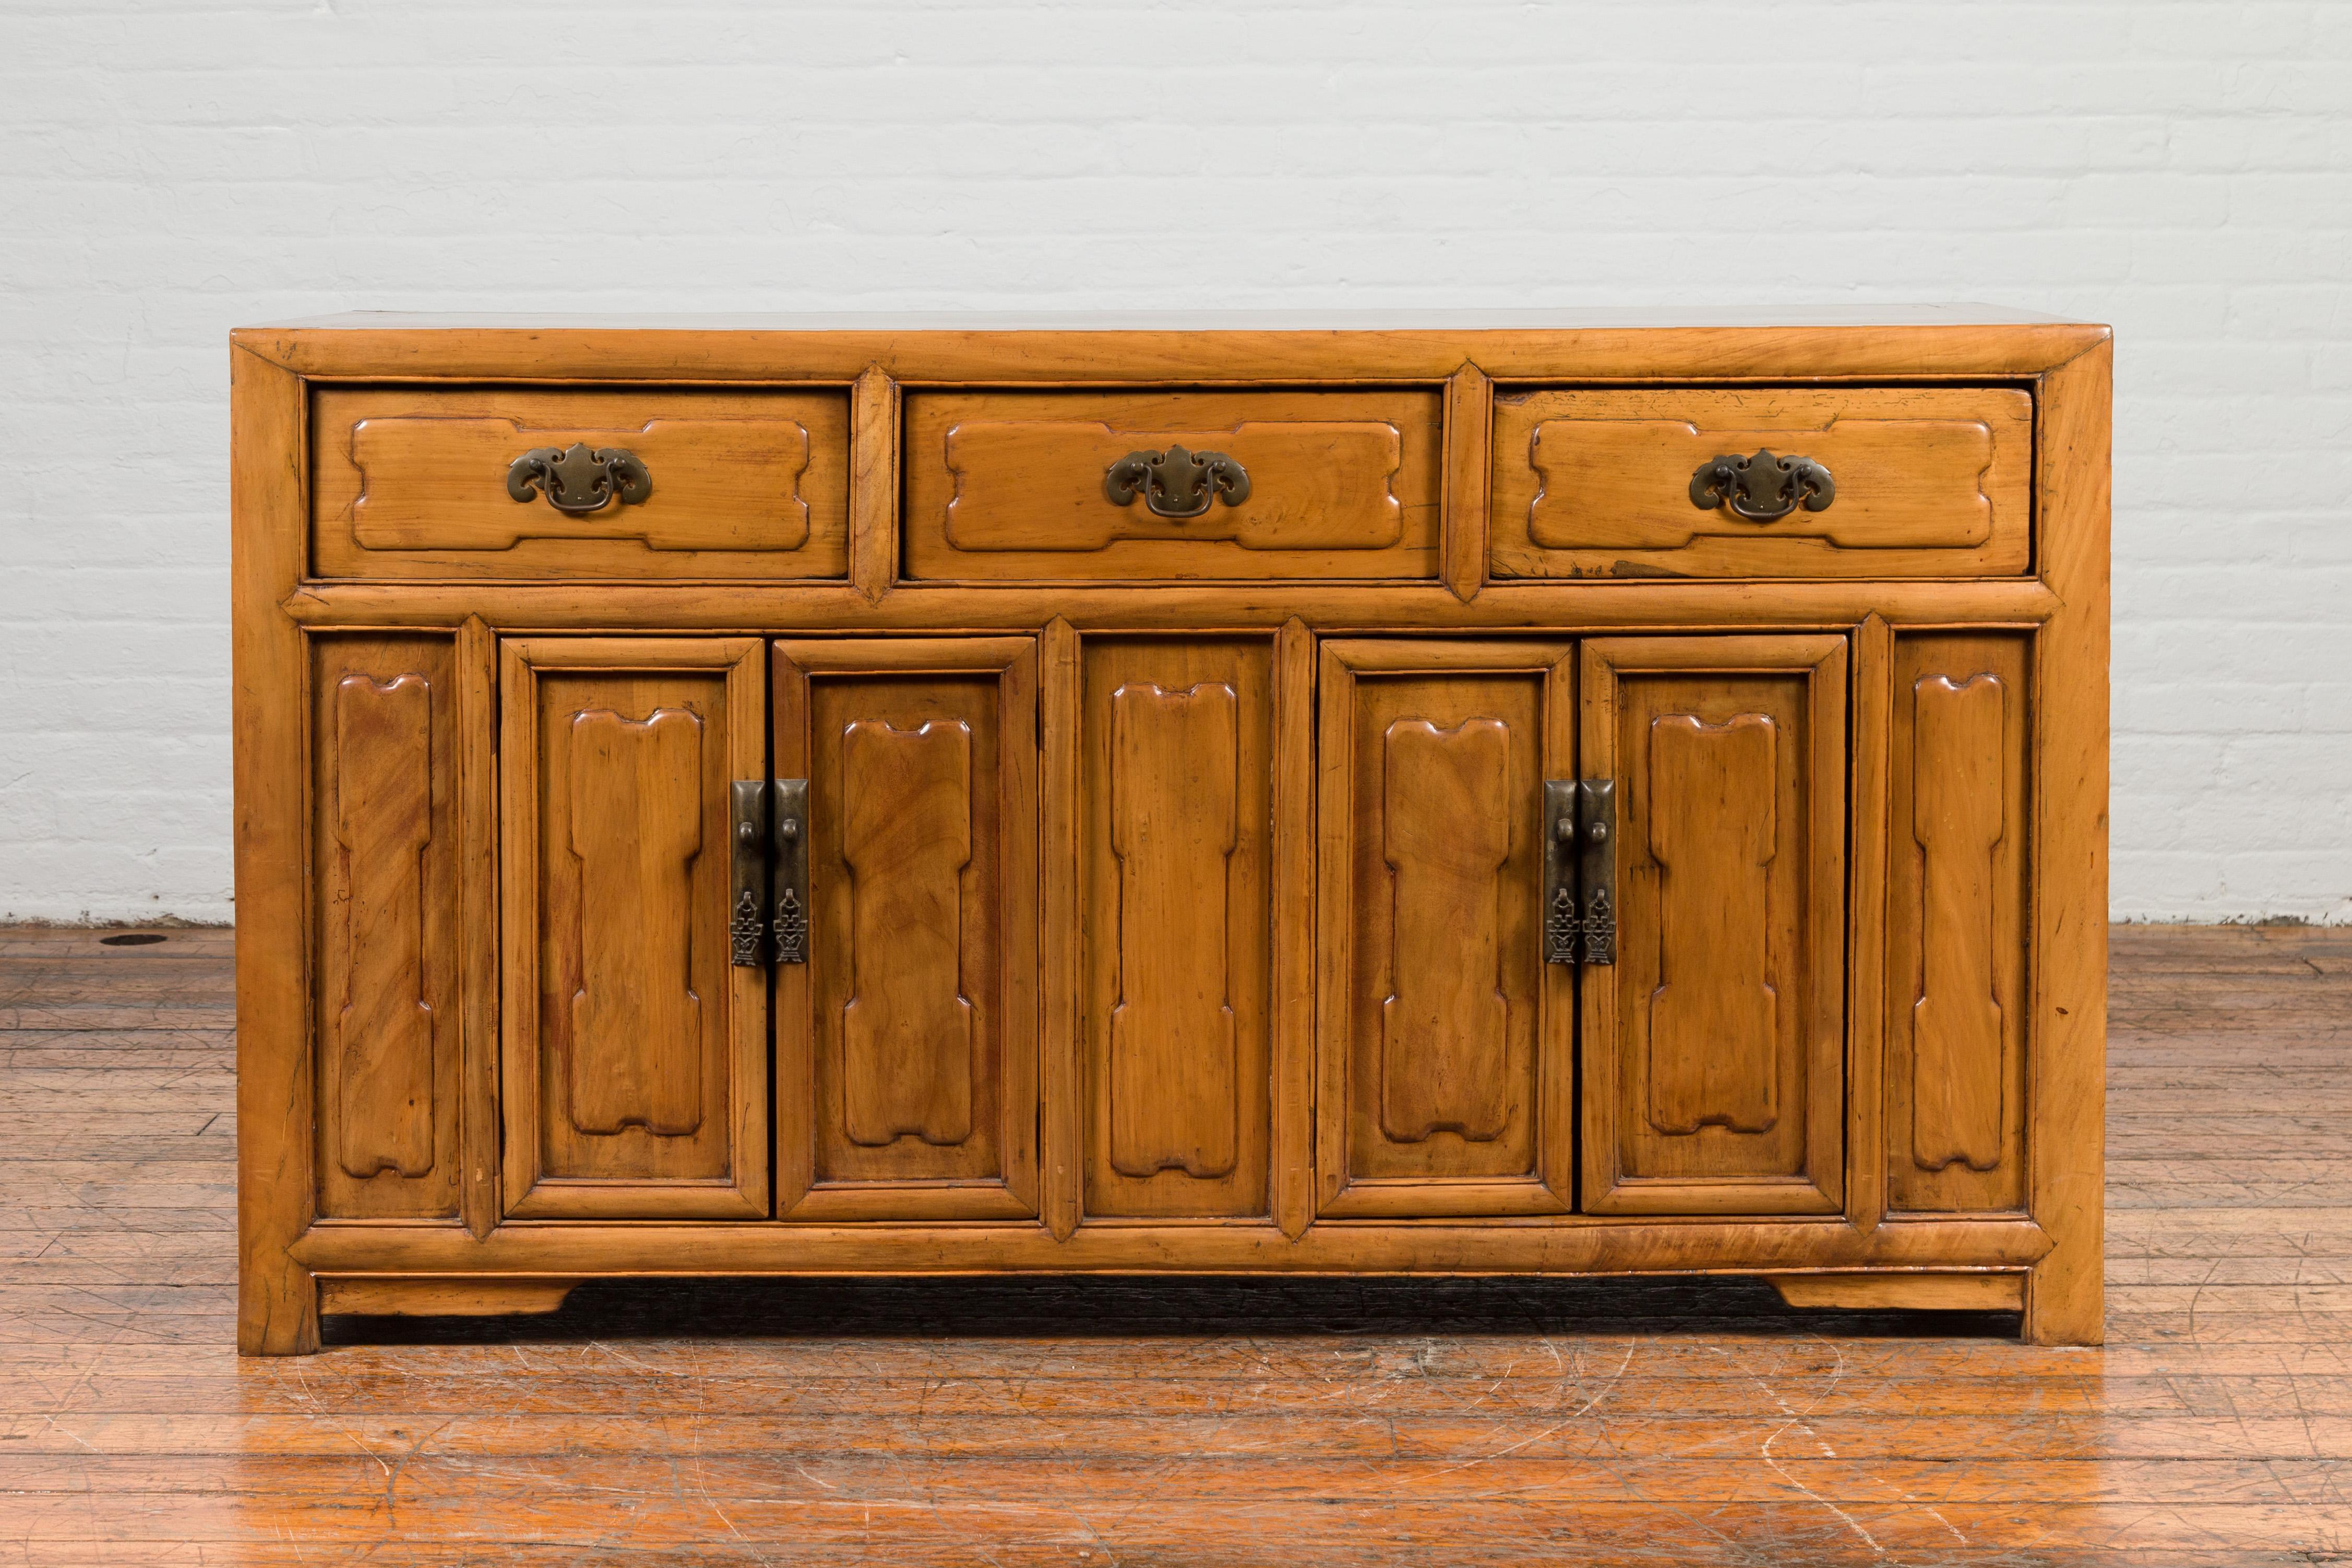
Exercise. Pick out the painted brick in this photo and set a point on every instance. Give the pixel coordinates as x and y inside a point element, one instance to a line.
<point>170,168</point>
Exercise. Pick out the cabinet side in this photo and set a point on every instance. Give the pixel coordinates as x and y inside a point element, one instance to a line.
<point>2066,1045</point>
<point>278,1308</point>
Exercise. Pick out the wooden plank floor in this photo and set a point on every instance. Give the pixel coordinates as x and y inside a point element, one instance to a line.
<point>1098,1424</point>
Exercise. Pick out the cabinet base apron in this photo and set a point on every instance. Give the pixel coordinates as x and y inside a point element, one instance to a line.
<point>770,798</point>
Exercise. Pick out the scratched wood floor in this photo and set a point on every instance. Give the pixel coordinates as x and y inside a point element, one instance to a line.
<point>1326,1423</point>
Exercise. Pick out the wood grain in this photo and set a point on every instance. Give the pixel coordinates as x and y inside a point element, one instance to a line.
<point>1929,482</point>
<point>1062,1069</point>
<point>1292,1420</point>
<point>412,482</point>
<point>384,755</point>
<point>1342,483</point>
<point>1954,930</point>
<point>1607,604</point>
<point>906,1047</point>
<point>277,1186</point>
<point>1875,342</point>
<point>1162,754</point>
<point>635,1056</point>
<point>2068,784</point>
<point>874,402</point>
<point>1713,1046</point>
<point>1177,791</point>
<point>1446,1045</point>
<point>1469,466</point>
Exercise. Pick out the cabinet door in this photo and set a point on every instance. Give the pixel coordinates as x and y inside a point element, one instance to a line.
<point>907,1045</point>
<point>1443,1041</point>
<point>635,1081</point>
<point>1714,1045</point>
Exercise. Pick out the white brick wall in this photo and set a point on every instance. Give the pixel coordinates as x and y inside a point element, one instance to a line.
<point>2183,170</point>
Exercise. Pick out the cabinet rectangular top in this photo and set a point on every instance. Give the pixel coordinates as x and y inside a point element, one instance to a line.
<point>1890,341</point>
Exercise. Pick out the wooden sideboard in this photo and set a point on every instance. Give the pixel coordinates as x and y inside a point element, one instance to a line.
<point>793,796</point>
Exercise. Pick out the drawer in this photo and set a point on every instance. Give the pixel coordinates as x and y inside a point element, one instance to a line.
<point>437,482</point>
<point>1849,482</point>
<point>1172,485</point>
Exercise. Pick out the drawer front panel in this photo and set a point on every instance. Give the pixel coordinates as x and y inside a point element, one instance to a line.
<point>415,482</point>
<point>1919,482</point>
<point>1312,485</point>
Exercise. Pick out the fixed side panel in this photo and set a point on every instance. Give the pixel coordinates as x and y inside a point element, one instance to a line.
<point>635,1081</point>
<point>907,1046</point>
<point>1177,791</point>
<point>1955,925</point>
<point>384,751</point>
<point>1713,1046</point>
<point>1445,1069</point>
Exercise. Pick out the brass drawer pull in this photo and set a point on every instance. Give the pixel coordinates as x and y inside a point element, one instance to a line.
<point>1176,483</point>
<point>1762,488</point>
<point>579,478</point>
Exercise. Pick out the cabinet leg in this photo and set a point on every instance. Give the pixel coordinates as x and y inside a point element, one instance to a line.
<point>277,1310</point>
<point>2065,1304</point>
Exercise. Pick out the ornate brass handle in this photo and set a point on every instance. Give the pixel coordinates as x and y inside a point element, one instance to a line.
<point>768,895</point>
<point>579,478</point>
<point>1176,483</point>
<point>1762,488</point>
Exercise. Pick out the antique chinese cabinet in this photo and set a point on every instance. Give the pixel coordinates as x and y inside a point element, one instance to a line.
<point>1558,795</point>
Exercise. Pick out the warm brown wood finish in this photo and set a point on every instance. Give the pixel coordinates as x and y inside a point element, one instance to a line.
<point>412,482</point>
<point>907,1054</point>
<point>1279,1419</point>
<point>635,1082</point>
<point>1929,481</point>
<point>384,746</point>
<point>1448,1047</point>
<point>1713,1046</point>
<point>1176,785</point>
<point>1010,485</point>
<point>1956,924</point>
<point>1175,883</point>
<point>2067,781</point>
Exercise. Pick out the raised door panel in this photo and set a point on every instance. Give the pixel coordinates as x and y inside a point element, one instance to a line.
<point>1445,1043</point>
<point>1176,794</point>
<point>1714,1045</point>
<point>907,1045</point>
<point>1956,924</point>
<point>384,751</point>
<point>636,1053</point>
